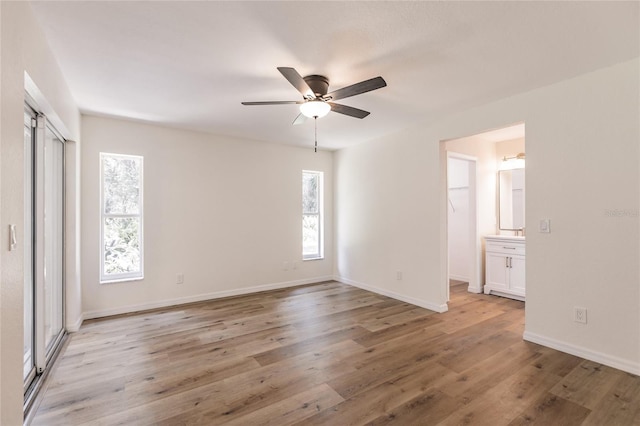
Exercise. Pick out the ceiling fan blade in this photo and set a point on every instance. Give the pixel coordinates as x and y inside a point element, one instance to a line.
<point>358,88</point>
<point>273,103</point>
<point>297,81</point>
<point>347,110</point>
<point>301,118</point>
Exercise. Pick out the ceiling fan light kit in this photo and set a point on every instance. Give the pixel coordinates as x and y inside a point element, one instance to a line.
<point>316,102</point>
<point>315,109</point>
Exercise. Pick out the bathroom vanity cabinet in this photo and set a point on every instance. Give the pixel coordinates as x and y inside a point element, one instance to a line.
<point>505,266</point>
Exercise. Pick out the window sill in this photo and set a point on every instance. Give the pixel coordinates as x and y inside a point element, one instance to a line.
<point>121,280</point>
<point>313,258</point>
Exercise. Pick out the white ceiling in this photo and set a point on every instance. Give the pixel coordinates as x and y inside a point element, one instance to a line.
<point>190,64</point>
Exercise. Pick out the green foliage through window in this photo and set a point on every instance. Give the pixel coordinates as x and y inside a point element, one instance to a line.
<point>121,185</point>
<point>311,217</point>
<point>121,204</point>
<point>121,245</point>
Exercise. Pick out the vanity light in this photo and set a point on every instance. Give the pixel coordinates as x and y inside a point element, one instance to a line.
<point>515,162</point>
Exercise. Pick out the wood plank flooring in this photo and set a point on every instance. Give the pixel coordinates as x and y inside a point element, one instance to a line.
<point>328,354</point>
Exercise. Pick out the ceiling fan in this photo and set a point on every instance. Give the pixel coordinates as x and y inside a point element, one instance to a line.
<point>316,102</point>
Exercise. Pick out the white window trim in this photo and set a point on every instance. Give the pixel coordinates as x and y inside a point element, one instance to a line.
<point>320,254</point>
<point>129,276</point>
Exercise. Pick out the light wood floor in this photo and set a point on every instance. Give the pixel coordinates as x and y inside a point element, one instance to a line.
<point>329,354</point>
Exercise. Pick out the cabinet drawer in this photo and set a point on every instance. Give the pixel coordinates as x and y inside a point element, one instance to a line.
<point>507,248</point>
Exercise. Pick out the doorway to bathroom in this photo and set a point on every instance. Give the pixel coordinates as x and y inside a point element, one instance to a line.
<point>476,209</point>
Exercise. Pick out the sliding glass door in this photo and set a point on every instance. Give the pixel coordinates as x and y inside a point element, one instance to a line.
<point>52,237</point>
<point>29,370</point>
<point>44,245</point>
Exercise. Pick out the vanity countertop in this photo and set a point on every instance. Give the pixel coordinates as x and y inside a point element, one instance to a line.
<point>505,237</point>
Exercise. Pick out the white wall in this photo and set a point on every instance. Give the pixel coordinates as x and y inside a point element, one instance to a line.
<point>24,49</point>
<point>582,134</point>
<point>224,212</point>
<point>582,162</point>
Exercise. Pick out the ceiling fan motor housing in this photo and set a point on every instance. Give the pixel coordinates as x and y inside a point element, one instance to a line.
<point>319,84</point>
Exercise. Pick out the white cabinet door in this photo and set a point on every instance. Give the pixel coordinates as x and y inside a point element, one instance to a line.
<point>516,274</point>
<point>504,261</point>
<point>497,271</point>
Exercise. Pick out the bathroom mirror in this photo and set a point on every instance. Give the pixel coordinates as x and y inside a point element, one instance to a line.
<point>511,199</point>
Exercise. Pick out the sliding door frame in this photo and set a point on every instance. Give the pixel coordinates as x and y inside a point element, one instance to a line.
<point>30,226</point>
<point>44,354</point>
<point>43,357</point>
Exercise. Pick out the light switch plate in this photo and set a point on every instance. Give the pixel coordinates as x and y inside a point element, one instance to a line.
<point>545,226</point>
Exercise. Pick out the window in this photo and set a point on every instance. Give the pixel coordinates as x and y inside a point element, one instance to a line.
<point>312,215</point>
<point>121,211</point>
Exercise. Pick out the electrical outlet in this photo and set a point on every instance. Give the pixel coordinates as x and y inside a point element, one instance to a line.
<point>180,279</point>
<point>580,315</point>
<point>285,266</point>
<point>399,275</point>
<point>545,226</point>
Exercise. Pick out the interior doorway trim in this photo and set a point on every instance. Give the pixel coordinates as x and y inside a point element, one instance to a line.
<point>474,243</point>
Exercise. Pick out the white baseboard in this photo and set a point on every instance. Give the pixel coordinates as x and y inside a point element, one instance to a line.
<point>72,328</point>
<point>200,298</point>
<point>599,357</point>
<point>418,302</point>
<point>458,278</point>
<point>475,290</point>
